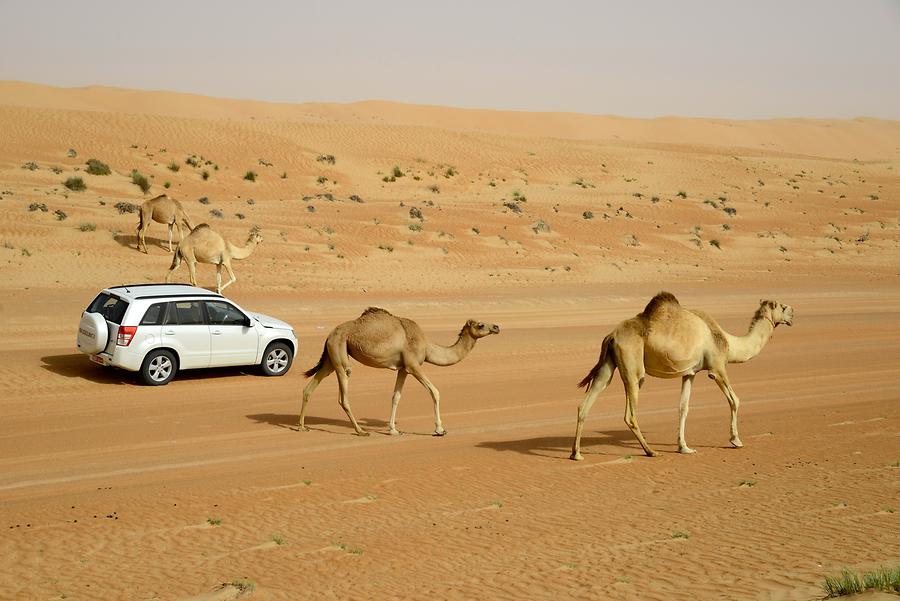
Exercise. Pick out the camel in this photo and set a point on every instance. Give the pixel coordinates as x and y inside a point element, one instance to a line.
<point>161,209</point>
<point>378,339</point>
<point>203,245</point>
<point>668,341</point>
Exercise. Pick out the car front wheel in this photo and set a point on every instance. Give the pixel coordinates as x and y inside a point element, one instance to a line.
<point>159,368</point>
<point>277,359</point>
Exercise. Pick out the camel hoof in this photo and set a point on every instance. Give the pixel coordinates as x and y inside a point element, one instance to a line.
<point>300,428</point>
<point>736,443</point>
<point>652,453</point>
<point>441,432</point>
<point>362,433</point>
<point>576,457</point>
<point>686,450</point>
<point>395,432</point>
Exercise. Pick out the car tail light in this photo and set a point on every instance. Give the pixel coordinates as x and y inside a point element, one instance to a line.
<point>126,335</point>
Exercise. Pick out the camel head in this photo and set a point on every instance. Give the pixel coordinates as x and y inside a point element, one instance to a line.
<point>480,329</point>
<point>776,312</point>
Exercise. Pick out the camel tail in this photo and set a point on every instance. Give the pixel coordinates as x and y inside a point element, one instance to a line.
<point>176,259</point>
<point>607,360</point>
<point>312,371</point>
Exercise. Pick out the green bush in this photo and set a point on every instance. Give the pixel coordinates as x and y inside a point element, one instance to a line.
<point>95,167</point>
<point>140,180</point>
<point>250,176</point>
<point>76,184</point>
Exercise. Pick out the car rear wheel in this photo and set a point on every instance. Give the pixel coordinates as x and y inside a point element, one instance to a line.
<point>159,368</point>
<point>277,359</point>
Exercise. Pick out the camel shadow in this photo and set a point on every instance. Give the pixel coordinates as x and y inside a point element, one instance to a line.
<point>289,421</point>
<point>131,241</point>
<point>561,446</point>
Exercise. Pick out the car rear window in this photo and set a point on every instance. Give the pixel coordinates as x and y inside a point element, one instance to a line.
<point>154,315</point>
<point>186,313</point>
<point>112,308</point>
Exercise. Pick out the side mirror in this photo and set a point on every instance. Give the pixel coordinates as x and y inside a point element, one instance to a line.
<point>247,322</point>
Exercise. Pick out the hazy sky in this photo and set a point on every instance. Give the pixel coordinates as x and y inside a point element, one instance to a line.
<point>720,58</point>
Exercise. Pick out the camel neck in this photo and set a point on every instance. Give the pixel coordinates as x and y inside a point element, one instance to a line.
<point>743,348</point>
<point>449,355</point>
<point>241,252</point>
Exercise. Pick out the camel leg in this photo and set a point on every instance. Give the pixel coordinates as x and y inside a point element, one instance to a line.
<point>721,378</point>
<point>142,228</point>
<point>435,396</point>
<point>192,268</point>
<point>601,381</point>
<point>317,378</point>
<point>686,383</point>
<point>344,386</point>
<point>176,263</point>
<point>231,277</point>
<point>395,400</point>
<point>170,237</point>
<point>219,278</point>
<point>632,387</point>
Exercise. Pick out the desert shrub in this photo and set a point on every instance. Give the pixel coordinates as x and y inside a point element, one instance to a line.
<point>450,172</point>
<point>173,166</point>
<point>416,213</point>
<point>37,206</point>
<point>588,215</point>
<point>283,175</point>
<point>637,195</point>
<point>250,176</point>
<point>682,194</point>
<point>76,184</point>
<point>541,226</point>
<point>654,199</point>
<point>321,179</point>
<point>192,161</point>
<point>71,153</point>
<point>434,188</point>
<point>126,207</point>
<point>167,185</point>
<point>715,243</point>
<point>850,583</point>
<point>730,210</point>
<point>30,166</point>
<point>326,158</point>
<point>56,169</point>
<point>216,213</point>
<point>515,208</point>
<point>60,215</point>
<point>388,178</point>
<point>240,215</point>
<point>204,174</point>
<point>397,172</point>
<point>96,167</point>
<point>415,227</point>
<point>203,200</point>
<point>518,196</point>
<point>87,227</point>
<point>140,180</point>
<point>356,198</point>
<point>264,163</point>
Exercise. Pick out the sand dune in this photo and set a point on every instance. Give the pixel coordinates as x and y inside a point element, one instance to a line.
<point>554,226</point>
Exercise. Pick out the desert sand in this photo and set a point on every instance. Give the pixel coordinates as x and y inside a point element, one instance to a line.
<point>556,227</point>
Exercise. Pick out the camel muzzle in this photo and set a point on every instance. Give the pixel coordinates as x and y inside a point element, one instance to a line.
<point>495,329</point>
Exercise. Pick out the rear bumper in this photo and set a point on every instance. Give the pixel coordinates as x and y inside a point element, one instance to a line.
<point>120,357</point>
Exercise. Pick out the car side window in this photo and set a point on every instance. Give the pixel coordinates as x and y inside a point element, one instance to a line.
<point>154,315</point>
<point>224,314</point>
<point>185,313</point>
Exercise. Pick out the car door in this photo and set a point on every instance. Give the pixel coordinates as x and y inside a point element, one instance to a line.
<point>185,329</point>
<point>233,340</point>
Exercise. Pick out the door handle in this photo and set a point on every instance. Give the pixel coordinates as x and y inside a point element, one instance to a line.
<point>216,332</point>
<point>170,332</point>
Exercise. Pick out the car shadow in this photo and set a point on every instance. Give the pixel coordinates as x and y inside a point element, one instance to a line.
<point>77,365</point>
<point>557,446</point>
<point>283,420</point>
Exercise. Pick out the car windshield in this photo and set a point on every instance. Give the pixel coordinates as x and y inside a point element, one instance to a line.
<point>112,308</point>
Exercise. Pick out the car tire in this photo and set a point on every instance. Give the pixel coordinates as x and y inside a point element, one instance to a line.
<point>277,359</point>
<point>159,368</point>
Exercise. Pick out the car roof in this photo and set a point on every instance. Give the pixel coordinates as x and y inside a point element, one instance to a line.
<point>139,291</point>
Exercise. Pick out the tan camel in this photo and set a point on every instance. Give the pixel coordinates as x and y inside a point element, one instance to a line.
<point>668,341</point>
<point>378,339</point>
<point>162,209</point>
<point>203,245</point>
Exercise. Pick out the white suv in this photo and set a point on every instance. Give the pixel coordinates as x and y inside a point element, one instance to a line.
<point>158,329</point>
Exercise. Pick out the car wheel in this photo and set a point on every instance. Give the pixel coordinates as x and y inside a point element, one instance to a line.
<point>277,359</point>
<point>159,368</point>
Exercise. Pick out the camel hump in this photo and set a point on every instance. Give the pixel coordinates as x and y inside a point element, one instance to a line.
<point>373,311</point>
<point>658,302</point>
